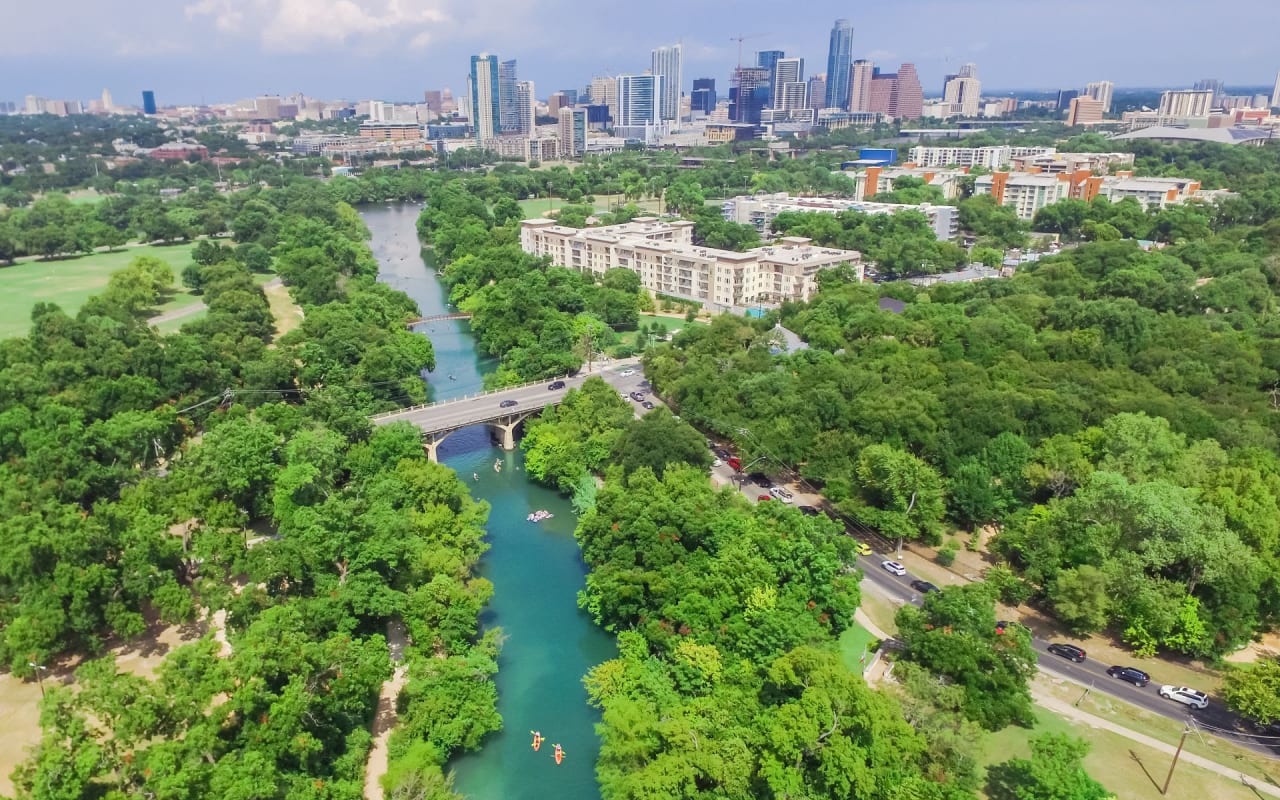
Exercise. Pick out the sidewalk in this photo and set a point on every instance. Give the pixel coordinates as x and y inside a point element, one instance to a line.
<point>1068,711</point>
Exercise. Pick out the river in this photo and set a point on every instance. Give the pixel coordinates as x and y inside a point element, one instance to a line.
<point>536,570</point>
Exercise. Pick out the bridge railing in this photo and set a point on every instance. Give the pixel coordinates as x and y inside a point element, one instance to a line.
<point>465,398</point>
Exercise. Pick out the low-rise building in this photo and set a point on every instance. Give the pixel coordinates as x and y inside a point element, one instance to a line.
<point>1058,163</point>
<point>993,157</point>
<point>176,151</point>
<point>760,210</point>
<point>1027,193</point>
<point>873,180</point>
<point>668,262</point>
<point>391,130</point>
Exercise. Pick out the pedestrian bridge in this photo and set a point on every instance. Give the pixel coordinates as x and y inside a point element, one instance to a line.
<point>436,318</point>
<point>438,420</point>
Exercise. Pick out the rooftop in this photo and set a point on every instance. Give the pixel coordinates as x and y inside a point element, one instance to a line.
<point>1219,135</point>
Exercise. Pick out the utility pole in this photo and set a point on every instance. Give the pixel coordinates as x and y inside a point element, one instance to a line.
<point>1185,730</point>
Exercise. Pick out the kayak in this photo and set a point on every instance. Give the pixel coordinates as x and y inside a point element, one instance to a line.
<point>537,740</point>
<point>559,754</point>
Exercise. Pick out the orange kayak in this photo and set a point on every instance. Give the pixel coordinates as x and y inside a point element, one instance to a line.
<point>537,740</point>
<point>559,754</point>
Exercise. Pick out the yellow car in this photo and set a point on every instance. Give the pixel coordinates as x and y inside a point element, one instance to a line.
<point>863,549</point>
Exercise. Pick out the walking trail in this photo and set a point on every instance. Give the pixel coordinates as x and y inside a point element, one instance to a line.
<point>385,719</point>
<point>1064,709</point>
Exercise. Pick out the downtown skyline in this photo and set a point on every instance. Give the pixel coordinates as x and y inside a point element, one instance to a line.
<point>214,51</point>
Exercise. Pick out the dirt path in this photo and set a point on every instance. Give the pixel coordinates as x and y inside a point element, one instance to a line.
<point>196,308</point>
<point>385,720</point>
<point>1068,711</point>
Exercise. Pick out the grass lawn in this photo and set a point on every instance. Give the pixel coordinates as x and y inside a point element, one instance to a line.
<point>854,643</point>
<point>668,323</point>
<point>69,282</point>
<point>539,206</point>
<point>1130,770</point>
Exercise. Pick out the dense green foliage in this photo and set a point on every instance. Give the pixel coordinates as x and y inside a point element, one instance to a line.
<point>1055,771</point>
<point>1254,691</point>
<point>568,442</point>
<point>726,682</point>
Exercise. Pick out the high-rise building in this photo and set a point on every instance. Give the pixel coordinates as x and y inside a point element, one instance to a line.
<point>703,98</point>
<point>485,113</point>
<point>604,92</point>
<point>785,71</point>
<point>570,96</point>
<point>1065,96</point>
<point>508,104</point>
<point>964,91</point>
<point>1084,111</point>
<point>433,101</point>
<point>668,64</point>
<point>573,132</point>
<point>1186,103</point>
<point>640,99</point>
<point>106,100</point>
<point>1275,93</point>
<point>860,74</point>
<point>267,107</point>
<point>749,94</point>
<point>148,102</point>
<point>907,101</point>
<point>817,91</point>
<point>791,96</point>
<point>526,115</point>
<point>880,95</point>
<point>1211,85</point>
<point>1101,91</point>
<point>839,59</point>
<point>768,59</point>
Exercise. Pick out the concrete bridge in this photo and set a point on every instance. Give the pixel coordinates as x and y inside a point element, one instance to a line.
<point>438,420</point>
<point>436,318</point>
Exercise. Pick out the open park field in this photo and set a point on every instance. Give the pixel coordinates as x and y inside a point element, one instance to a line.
<point>69,282</point>
<point>603,202</point>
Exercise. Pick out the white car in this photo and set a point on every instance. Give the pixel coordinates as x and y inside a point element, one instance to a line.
<point>717,463</point>
<point>627,373</point>
<point>781,494</point>
<point>894,567</point>
<point>1184,695</point>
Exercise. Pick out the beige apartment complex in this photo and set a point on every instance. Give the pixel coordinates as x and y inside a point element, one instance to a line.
<point>668,262</point>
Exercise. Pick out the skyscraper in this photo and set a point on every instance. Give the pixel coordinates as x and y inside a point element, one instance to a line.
<point>106,100</point>
<point>526,118</point>
<point>907,101</point>
<point>839,59</point>
<point>1211,85</point>
<point>817,91</point>
<point>786,70</point>
<point>573,132</point>
<point>768,59</point>
<point>1101,91</point>
<point>148,102</point>
<point>1275,93</point>
<point>963,91</point>
<point>703,98</point>
<point>668,63</point>
<point>1065,96</point>
<point>508,105</point>
<point>604,92</point>
<point>860,74</point>
<point>749,94</point>
<point>640,99</point>
<point>485,114</point>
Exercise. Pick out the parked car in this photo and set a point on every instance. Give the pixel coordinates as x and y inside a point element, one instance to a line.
<point>808,511</point>
<point>734,462</point>
<point>647,404</point>
<point>1067,651</point>
<point>722,453</point>
<point>761,480</point>
<point>555,385</point>
<point>781,494</point>
<point>637,396</point>
<point>762,497</point>
<point>627,373</point>
<point>507,404</point>
<point>924,587</point>
<point>1184,695</point>
<point>717,463</point>
<point>1131,674</point>
<point>894,567</point>
<point>862,549</point>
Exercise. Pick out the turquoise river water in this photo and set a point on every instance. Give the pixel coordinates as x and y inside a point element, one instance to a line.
<point>536,569</point>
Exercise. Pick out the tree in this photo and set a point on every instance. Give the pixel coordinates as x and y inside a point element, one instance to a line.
<point>901,494</point>
<point>1055,771</point>
<point>658,439</point>
<point>1254,693</point>
<point>1081,598</point>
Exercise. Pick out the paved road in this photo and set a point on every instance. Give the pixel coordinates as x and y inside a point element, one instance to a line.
<point>454,414</point>
<point>197,307</point>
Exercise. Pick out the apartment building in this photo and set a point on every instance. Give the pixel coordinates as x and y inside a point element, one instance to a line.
<point>386,131</point>
<point>993,157</point>
<point>761,209</point>
<point>1028,193</point>
<point>871,181</point>
<point>1058,163</point>
<point>668,262</point>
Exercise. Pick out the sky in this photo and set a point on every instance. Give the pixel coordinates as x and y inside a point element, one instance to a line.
<point>192,51</point>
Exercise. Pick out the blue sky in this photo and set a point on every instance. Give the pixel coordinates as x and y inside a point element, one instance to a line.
<point>221,50</point>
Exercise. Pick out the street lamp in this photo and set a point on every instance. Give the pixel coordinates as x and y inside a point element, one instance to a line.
<point>40,670</point>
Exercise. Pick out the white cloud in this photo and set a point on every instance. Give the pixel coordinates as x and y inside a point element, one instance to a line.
<point>306,25</point>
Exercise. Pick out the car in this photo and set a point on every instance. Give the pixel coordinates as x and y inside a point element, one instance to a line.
<point>722,453</point>
<point>717,463</point>
<point>1131,674</point>
<point>862,549</point>
<point>555,385</point>
<point>924,587</point>
<point>762,497</point>
<point>808,511</point>
<point>507,404</point>
<point>1067,651</point>
<point>626,373</point>
<point>1184,695</point>
<point>637,396</point>
<point>781,494</point>
<point>761,480</point>
<point>894,567</point>
<point>647,404</point>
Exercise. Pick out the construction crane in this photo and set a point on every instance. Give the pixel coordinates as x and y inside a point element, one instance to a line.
<point>740,39</point>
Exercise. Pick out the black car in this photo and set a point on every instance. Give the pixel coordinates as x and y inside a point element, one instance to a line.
<point>808,511</point>
<point>507,404</point>
<point>647,404</point>
<point>555,385</point>
<point>760,479</point>
<point>1067,651</point>
<point>722,453</point>
<point>637,396</point>
<point>924,587</point>
<point>1131,674</point>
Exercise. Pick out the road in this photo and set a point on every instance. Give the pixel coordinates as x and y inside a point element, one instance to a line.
<point>487,407</point>
<point>197,307</point>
